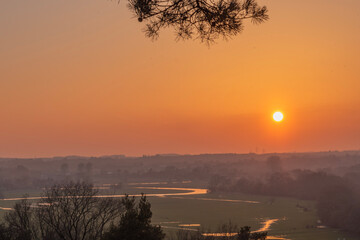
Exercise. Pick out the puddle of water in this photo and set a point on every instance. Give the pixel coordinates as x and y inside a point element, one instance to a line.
<point>322,227</point>
<point>218,199</point>
<point>266,227</point>
<point>186,182</point>
<point>157,183</point>
<point>101,188</point>
<point>190,225</point>
<point>181,228</point>
<point>20,198</point>
<point>6,209</point>
<point>219,234</point>
<point>148,183</point>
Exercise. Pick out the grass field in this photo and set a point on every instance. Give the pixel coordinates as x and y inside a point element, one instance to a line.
<point>210,210</point>
<point>293,223</point>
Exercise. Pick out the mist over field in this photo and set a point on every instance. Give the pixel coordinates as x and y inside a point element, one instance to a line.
<point>289,195</point>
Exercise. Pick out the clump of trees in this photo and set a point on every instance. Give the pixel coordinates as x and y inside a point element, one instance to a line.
<point>75,211</point>
<point>135,222</point>
<point>338,207</point>
<point>301,184</point>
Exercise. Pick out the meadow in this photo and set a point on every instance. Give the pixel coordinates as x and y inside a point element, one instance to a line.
<point>293,222</point>
<point>293,219</point>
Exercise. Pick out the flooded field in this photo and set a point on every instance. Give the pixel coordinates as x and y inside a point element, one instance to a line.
<point>193,209</point>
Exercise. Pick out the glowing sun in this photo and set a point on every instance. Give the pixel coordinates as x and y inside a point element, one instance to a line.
<point>278,116</point>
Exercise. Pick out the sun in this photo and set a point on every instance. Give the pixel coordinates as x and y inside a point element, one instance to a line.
<point>278,116</point>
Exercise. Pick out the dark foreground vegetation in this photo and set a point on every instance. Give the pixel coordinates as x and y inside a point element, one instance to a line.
<point>75,211</point>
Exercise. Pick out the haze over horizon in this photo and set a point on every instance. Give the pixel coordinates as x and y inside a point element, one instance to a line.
<point>80,78</point>
<point>176,154</point>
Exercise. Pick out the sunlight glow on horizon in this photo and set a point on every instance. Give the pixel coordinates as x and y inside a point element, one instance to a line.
<point>86,81</point>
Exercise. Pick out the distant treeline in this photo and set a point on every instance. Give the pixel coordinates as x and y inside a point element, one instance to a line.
<point>40,172</point>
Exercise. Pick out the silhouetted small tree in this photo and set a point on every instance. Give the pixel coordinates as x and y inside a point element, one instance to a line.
<point>244,233</point>
<point>74,212</point>
<point>135,222</point>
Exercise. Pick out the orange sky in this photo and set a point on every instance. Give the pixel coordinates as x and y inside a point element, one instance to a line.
<point>79,77</point>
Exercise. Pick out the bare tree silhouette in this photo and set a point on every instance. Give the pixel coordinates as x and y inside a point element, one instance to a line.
<point>206,20</point>
<point>70,211</point>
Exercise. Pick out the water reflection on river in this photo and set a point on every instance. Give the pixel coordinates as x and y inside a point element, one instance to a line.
<point>184,192</point>
<point>266,224</point>
<point>187,191</point>
<point>265,227</point>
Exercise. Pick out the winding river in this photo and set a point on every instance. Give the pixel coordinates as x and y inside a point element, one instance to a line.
<point>187,191</point>
<point>265,227</point>
<point>179,195</point>
<point>266,224</point>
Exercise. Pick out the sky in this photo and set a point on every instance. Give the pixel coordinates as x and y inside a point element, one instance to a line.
<point>80,78</point>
